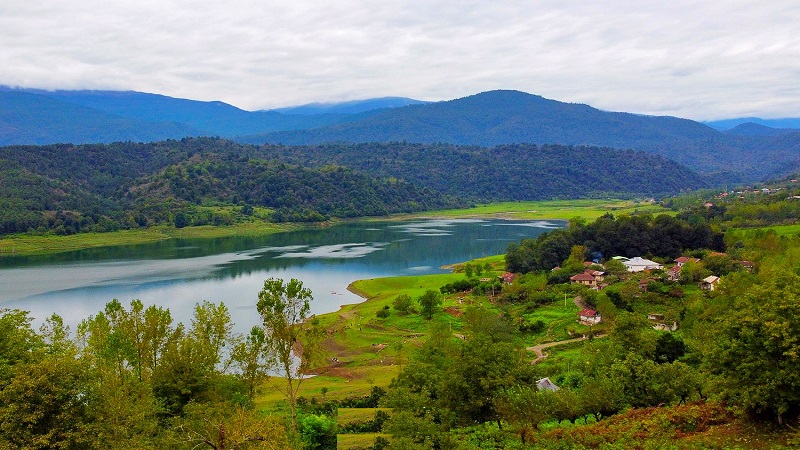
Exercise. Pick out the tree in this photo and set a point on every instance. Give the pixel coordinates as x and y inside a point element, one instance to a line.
<point>18,341</point>
<point>284,307</point>
<point>318,432</point>
<point>428,303</point>
<point>757,354</point>
<point>249,356</point>
<point>223,427</point>
<point>402,303</point>
<point>212,327</point>
<point>48,405</point>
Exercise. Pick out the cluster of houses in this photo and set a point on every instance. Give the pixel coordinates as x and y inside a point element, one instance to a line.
<point>595,279</point>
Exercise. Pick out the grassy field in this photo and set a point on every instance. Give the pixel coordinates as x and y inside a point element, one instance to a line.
<point>589,209</point>
<point>371,351</point>
<point>23,245</point>
<point>784,230</point>
<point>363,440</point>
<point>347,415</point>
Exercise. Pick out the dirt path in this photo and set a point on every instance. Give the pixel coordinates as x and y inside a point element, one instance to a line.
<point>539,349</point>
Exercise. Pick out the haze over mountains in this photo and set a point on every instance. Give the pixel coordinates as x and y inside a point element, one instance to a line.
<point>747,151</point>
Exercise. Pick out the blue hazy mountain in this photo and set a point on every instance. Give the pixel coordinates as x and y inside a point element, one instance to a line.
<point>505,117</point>
<point>727,124</point>
<point>27,118</point>
<point>349,107</point>
<point>487,119</point>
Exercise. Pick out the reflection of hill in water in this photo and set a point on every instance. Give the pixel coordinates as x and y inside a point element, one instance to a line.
<point>385,245</point>
<point>185,271</point>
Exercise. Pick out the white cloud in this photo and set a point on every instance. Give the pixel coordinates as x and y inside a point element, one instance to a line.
<point>701,60</point>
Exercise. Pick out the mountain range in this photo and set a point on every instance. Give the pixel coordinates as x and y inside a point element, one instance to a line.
<point>746,151</point>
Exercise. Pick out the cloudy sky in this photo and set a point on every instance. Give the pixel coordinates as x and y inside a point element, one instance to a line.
<point>701,60</point>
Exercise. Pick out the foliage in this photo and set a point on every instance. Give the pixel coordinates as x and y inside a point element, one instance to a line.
<point>317,432</point>
<point>756,356</point>
<point>402,303</point>
<point>284,307</point>
<point>428,303</point>
<point>608,236</point>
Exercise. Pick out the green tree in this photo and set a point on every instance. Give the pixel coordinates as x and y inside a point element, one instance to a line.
<point>284,307</point>
<point>468,270</point>
<point>48,405</point>
<point>428,303</point>
<point>402,303</point>
<point>219,426</point>
<point>18,341</point>
<point>213,329</point>
<point>317,432</point>
<point>250,358</point>
<point>757,354</point>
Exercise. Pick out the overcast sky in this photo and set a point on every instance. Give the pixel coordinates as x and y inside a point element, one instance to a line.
<point>702,60</point>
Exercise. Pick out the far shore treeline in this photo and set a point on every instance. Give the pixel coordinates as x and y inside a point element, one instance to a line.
<point>66,189</point>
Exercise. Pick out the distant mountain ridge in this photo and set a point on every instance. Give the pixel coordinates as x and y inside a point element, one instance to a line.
<point>349,107</point>
<point>503,117</point>
<point>744,154</point>
<point>727,124</point>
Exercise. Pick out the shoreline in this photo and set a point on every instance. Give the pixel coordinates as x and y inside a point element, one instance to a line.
<point>26,245</point>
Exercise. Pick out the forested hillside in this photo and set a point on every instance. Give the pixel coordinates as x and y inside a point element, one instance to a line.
<point>68,189</point>
<point>507,172</point>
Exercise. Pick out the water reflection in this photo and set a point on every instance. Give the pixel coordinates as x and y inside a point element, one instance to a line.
<point>177,274</point>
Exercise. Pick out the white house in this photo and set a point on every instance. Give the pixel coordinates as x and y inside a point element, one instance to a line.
<point>639,264</point>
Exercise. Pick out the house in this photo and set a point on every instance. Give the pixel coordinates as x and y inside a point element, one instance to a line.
<point>675,273</point>
<point>684,259</point>
<point>589,316</point>
<point>747,265</point>
<point>508,277</point>
<point>589,277</point>
<point>599,275</point>
<point>639,264</point>
<point>584,278</point>
<point>546,385</point>
<point>709,283</point>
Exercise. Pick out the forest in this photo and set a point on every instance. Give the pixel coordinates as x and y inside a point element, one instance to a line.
<point>64,189</point>
<point>672,364</point>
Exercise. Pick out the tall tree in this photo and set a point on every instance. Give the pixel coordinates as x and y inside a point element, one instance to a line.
<point>428,302</point>
<point>284,307</point>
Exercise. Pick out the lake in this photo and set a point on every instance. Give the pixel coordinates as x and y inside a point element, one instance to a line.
<point>177,274</point>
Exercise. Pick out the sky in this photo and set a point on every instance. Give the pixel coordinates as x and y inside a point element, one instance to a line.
<point>702,60</point>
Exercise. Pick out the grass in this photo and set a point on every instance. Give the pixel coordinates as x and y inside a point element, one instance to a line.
<point>371,351</point>
<point>26,245</point>
<point>559,317</point>
<point>589,209</point>
<point>347,415</point>
<point>363,440</point>
<point>783,230</point>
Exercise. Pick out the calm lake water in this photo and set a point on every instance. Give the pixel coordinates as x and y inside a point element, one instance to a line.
<point>177,274</point>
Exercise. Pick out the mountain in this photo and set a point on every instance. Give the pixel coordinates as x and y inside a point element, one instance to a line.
<point>727,124</point>
<point>745,154</point>
<point>505,117</point>
<point>755,129</point>
<point>27,118</point>
<point>351,107</point>
<point>203,118</point>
